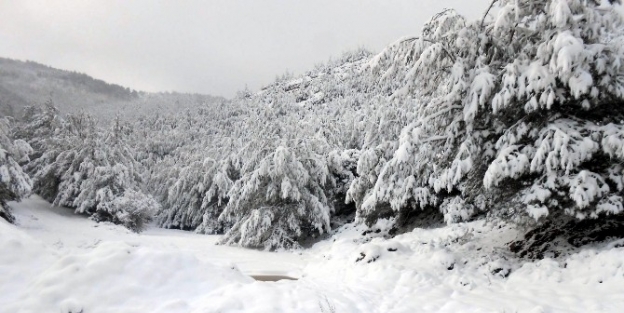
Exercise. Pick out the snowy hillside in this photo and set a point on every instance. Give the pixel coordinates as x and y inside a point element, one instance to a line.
<point>474,167</point>
<point>29,83</point>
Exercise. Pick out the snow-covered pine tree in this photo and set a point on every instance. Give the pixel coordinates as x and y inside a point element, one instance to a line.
<point>190,165</point>
<point>384,118</point>
<point>280,202</point>
<point>37,126</point>
<point>14,183</point>
<point>298,158</point>
<point>520,114</point>
<point>198,196</point>
<point>318,118</point>
<point>93,172</point>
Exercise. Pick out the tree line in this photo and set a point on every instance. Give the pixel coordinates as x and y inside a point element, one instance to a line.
<point>516,116</point>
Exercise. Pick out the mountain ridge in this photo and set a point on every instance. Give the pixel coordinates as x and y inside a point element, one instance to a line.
<point>25,83</point>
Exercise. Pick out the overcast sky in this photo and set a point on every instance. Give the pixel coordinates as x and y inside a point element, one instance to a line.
<point>215,47</point>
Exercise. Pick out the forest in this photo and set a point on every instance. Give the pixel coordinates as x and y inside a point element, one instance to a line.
<point>518,116</point>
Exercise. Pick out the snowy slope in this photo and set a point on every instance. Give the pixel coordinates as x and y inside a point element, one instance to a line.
<point>66,232</point>
<point>54,261</point>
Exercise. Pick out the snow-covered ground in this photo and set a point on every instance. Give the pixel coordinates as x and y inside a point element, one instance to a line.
<point>55,261</point>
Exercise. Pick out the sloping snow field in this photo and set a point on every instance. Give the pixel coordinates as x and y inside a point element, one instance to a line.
<point>55,261</point>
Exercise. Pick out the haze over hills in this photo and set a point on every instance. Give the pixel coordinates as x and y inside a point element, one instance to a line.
<point>24,83</point>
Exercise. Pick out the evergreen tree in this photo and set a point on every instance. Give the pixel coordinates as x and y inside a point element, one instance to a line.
<point>93,172</point>
<point>14,183</point>
<point>280,202</point>
<point>520,115</point>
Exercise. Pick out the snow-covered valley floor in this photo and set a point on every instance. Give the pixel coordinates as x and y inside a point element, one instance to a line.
<point>55,261</point>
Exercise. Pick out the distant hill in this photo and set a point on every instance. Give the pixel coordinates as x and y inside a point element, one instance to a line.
<point>30,83</point>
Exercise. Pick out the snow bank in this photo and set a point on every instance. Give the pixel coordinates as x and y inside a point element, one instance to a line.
<point>57,263</point>
<point>111,277</point>
<point>462,268</point>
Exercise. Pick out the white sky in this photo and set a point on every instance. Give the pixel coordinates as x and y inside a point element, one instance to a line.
<point>215,47</point>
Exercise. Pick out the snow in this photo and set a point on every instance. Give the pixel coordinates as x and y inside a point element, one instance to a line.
<point>68,232</point>
<point>509,163</point>
<point>55,261</point>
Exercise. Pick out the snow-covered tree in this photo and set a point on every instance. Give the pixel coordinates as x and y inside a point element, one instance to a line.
<point>198,197</point>
<point>189,164</point>
<point>280,202</point>
<point>519,114</point>
<point>207,183</point>
<point>516,114</point>
<point>14,183</point>
<point>93,172</point>
<point>37,126</point>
